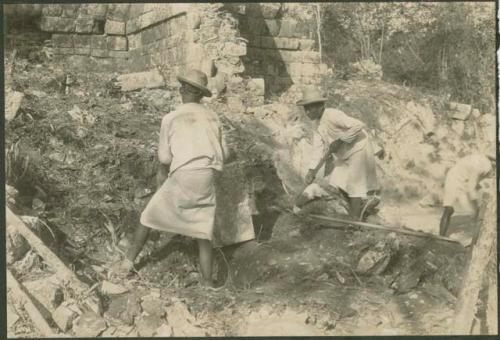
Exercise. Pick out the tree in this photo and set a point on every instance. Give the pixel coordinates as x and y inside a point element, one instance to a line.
<point>448,47</point>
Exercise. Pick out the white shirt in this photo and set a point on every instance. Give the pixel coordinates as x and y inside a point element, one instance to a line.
<point>335,125</point>
<point>191,137</point>
<point>462,180</point>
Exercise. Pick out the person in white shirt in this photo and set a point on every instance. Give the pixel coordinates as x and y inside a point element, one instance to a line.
<point>461,192</point>
<point>354,168</point>
<point>193,149</point>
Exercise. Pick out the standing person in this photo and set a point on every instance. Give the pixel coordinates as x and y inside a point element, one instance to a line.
<point>193,148</point>
<point>461,194</point>
<point>354,171</point>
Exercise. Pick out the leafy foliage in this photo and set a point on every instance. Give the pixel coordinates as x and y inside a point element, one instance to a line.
<point>448,47</point>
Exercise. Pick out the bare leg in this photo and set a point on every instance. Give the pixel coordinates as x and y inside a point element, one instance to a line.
<point>140,237</point>
<point>355,206</point>
<point>445,220</point>
<point>205,253</point>
<point>123,268</point>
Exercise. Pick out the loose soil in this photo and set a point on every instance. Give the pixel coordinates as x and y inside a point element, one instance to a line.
<point>81,154</point>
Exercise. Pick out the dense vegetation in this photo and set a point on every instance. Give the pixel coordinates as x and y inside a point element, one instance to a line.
<point>444,47</point>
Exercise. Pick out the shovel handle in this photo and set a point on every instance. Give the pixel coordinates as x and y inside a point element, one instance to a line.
<point>315,171</point>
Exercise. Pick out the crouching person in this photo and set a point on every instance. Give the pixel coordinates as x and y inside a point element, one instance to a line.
<point>461,195</point>
<point>354,167</point>
<point>193,147</point>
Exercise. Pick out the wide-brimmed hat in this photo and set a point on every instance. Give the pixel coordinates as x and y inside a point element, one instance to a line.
<point>311,95</point>
<point>197,79</point>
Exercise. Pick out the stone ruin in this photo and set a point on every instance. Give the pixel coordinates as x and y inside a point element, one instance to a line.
<point>252,53</point>
<point>272,46</point>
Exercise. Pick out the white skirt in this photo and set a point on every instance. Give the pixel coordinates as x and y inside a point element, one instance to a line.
<point>185,204</point>
<point>356,174</point>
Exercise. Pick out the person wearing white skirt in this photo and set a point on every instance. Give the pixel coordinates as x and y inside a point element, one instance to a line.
<point>354,168</point>
<point>193,148</point>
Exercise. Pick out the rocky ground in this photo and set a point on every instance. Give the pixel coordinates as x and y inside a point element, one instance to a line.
<point>80,164</point>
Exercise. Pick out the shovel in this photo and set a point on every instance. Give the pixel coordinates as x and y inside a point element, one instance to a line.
<point>315,172</point>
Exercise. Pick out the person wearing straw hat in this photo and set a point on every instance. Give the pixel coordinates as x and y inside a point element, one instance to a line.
<point>193,149</point>
<point>354,171</point>
<point>461,194</point>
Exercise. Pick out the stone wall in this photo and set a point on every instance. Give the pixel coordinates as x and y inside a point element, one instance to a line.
<point>175,37</point>
<point>157,36</point>
<point>96,30</point>
<point>248,49</point>
<point>281,44</point>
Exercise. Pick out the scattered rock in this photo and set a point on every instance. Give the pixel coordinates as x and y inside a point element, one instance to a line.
<point>128,106</point>
<point>39,94</point>
<point>117,306</point>
<point>81,116</point>
<point>109,332</point>
<point>11,194</point>
<point>410,277</point>
<point>430,200</point>
<point>163,331</point>
<point>147,325</point>
<point>257,86</point>
<point>123,331</point>
<point>139,80</point>
<point>89,325</point>
<point>476,113</point>
<point>13,100</point>
<point>109,288</point>
<point>38,205</point>
<point>460,111</point>
<point>266,323</point>
<point>16,246</point>
<point>47,291</point>
<point>369,260</point>
<point>235,104</point>
<point>375,260</point>
<point>153,305</point>
<point>182,321</point>
<point>235,49</point>
<point>458,126</point>
<point>424,115</point>
<point>124,307</point>
<point>133,308</point>
<point>469,131</point>
<point>158,98</point>
<point>12,316</point>
<point>63,316</point>
<point>487,126</point>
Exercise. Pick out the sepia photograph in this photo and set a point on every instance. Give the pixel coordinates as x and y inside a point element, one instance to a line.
<point>250,169</point>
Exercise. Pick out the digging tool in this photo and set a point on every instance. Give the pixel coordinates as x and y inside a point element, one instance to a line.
<point>338,223</point>
<point>315,172</point>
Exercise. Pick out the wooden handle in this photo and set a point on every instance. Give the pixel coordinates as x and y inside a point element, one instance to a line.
<point>315,170</point>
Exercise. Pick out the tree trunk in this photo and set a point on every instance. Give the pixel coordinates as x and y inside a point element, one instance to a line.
<point>492,302</point>
<point>468,297</point>
<point>320,43</point>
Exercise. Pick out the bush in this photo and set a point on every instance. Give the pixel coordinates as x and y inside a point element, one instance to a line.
<point>445,47</point>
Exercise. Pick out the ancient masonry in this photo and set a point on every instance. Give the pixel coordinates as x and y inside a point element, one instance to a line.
<point>271,46</point>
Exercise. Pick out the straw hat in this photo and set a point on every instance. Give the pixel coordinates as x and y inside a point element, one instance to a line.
<point>197,79</point>
<point>311,95</point>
